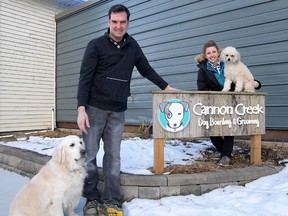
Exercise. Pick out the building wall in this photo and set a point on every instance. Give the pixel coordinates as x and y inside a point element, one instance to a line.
<point>27,64</point>
<point>171,34</point>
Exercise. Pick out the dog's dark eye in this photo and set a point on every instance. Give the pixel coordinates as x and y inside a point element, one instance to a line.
<point>226,54</point>
<point>232,55</point>
<point>72,144</point>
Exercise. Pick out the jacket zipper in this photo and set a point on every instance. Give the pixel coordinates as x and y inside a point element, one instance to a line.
<point>116,79</point>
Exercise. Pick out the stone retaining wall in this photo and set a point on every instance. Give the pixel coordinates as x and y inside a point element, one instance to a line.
<point>28,163</point>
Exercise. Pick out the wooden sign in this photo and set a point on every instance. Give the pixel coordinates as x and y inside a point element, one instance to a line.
<point>203,114</point>
<point>192,114</point>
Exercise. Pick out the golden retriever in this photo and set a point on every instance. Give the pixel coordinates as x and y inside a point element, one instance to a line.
<point>57,188</point>
<point>235,71</point>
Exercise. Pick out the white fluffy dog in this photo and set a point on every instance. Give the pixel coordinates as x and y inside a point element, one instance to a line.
<point>235,71</point>
<point>57,188</point>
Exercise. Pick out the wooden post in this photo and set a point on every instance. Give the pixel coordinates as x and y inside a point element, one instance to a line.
<point>158,155</point>
<point>255,151</point>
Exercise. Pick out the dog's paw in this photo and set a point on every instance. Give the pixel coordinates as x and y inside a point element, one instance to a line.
<point>225,90</point>
<point>249,90</point>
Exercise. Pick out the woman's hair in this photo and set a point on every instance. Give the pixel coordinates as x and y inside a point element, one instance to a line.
<point>210,43</point>
<point>119,8</point>
<point>201,57</point>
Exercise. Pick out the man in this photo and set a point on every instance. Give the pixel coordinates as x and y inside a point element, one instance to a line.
<point>104,86</point>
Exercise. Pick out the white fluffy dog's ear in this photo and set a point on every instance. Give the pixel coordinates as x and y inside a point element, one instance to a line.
<point>60,154</point>
<point>222,56</point>
<point>237,56</point>
<point>63,155</point>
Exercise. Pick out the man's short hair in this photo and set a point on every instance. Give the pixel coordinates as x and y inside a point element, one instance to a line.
<point>119,8</point>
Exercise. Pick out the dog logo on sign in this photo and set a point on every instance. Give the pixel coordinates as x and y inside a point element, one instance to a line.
<point>174,115</point>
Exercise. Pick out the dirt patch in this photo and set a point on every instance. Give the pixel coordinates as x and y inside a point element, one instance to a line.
<point>25,135</point>
<point>240,159</point>
<point>241,156</point>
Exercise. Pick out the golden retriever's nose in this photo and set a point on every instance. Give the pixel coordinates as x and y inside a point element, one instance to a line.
<point>83,152</point>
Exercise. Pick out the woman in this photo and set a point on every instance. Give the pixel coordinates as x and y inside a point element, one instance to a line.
<point>211,78</point>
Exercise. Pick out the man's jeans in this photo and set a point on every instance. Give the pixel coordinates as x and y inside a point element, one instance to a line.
<point>110,127</point>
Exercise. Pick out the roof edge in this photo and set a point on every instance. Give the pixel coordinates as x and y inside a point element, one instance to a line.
<point>78,8</point>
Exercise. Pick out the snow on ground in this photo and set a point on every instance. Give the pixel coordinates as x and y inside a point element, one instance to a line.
<point>176,152</point>
<point>267,196</point>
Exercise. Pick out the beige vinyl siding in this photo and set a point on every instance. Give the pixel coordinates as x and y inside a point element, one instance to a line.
<point>27,64</point>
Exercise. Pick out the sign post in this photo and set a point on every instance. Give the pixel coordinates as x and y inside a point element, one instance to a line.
<point>192,114</point>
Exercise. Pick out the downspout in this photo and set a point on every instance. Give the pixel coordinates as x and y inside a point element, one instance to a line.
<point>53,119</point>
